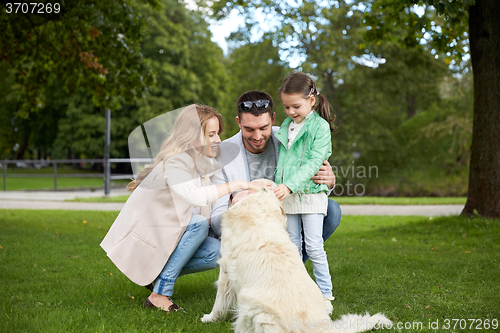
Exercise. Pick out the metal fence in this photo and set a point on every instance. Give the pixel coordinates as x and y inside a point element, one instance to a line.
<point>106,175</point>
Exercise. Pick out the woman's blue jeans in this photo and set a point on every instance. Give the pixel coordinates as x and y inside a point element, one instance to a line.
<point>195,252</point>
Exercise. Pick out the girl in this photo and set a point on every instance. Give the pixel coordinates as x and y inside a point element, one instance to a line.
<point>305,142</point>
<point>162,231</point>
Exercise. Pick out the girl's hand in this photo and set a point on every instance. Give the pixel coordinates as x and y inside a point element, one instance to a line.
<point>281,191</point>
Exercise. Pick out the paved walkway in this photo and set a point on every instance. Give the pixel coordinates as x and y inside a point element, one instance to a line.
<point>56,200</point>
<point>424,210</point>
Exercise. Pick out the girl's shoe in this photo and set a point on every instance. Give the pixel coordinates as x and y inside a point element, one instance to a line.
<point>328,304</point>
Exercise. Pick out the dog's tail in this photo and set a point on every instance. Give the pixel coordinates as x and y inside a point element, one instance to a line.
<point>352,323</point>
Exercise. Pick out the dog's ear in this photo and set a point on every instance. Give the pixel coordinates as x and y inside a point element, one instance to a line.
<point>282,211</point>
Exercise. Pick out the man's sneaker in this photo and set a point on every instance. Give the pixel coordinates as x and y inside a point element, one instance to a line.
<point>328,304</point>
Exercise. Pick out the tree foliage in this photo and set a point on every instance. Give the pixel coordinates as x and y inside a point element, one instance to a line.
<point>175,44</point>
<point>473,27</point>
<point>438,26</point>
<point>396,73</point>
<point>90,45</point>
<point>380,66</point>
<point>252,66</point>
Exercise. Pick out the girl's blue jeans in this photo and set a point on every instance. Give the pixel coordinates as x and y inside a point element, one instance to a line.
<point>195,252</point>
<point>330,223</point>
<point>312,226</point>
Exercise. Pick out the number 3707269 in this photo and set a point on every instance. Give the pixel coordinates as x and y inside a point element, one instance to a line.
<point>32,8</point>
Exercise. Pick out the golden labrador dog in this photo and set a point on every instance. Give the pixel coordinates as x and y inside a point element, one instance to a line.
<point>263,280</point>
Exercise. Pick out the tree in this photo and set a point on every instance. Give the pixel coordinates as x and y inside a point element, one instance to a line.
<point>448,30</point>
<point>187,64</point>
<point>252,66</point>
<point>328,38</point>
<point>484,176</point>
<point>92,45</point>
<point>481,18</point>
<point>175,44</point>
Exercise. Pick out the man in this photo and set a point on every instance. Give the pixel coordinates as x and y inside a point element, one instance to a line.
<point>252,154</point>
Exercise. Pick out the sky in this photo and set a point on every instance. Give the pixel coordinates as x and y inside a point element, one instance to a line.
<point>220,29</point>
<point>223,28</point>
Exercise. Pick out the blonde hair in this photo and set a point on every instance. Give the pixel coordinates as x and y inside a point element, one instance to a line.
<point>186,133</point>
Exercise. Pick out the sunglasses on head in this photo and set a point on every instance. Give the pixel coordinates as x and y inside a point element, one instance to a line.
<point>261,104</point>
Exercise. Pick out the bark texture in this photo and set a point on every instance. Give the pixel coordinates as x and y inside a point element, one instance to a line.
<point>484,175</point>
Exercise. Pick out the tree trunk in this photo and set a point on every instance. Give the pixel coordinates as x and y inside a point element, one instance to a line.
<point>410,106</point>
<point>484,174</point>
<point>22,149</point>
<point>330,93</point>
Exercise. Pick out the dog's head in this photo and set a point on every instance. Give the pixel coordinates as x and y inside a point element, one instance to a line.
<point>270,185</point>
<point>255,189</point>
<point>256,205</point>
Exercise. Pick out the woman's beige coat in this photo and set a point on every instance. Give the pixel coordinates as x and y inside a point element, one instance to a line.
<point>155,216</point>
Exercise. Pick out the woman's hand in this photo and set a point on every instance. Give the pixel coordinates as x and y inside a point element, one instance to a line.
<point>281,191</point>
<point>232,186</point>
<point>245,185</point>
<point>262,185</point>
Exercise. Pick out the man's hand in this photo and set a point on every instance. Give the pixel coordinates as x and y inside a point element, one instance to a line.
<point>281,191</point>
<point>325,175</point>
<point>240,195</point>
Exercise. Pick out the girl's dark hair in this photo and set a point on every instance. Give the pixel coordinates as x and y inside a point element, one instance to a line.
<point>301,83</point>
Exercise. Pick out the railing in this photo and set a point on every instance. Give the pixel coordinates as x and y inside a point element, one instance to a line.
<point>107,176</point>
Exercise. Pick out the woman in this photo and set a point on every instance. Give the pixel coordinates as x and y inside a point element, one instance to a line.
<point>162,230</point>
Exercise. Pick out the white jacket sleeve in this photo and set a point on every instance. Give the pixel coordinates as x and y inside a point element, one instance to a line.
<point>220,206</point>
<point>182,179</point>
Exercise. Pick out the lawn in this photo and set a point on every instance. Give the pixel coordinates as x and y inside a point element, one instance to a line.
<point>32,184</point>
<point>55,277</point>
<point>46,182</point>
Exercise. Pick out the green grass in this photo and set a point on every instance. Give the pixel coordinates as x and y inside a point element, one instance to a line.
<point>19,184</point>
<point>55,277</point>
<point>410,182</point>
<point>417,269</point>
<point>61,169</point>
<point>47,183</point>
<point>340,200</point>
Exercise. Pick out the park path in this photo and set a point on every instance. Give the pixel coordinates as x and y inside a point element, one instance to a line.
<point>56,200</point>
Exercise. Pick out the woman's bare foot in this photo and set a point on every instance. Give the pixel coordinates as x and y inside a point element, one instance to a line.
<point>160,301</point>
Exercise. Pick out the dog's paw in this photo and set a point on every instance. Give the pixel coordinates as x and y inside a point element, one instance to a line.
<point>208,318</point>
